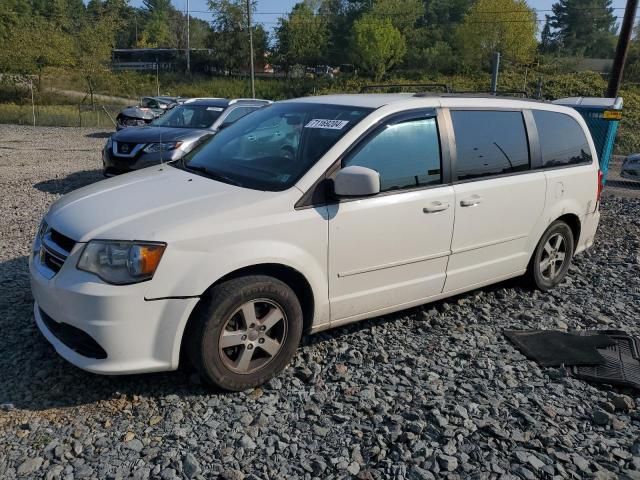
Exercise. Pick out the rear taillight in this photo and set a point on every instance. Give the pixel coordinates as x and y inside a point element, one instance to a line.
<point>600,184</point>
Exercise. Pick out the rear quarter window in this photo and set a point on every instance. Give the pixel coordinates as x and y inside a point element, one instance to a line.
<point>562,140</point>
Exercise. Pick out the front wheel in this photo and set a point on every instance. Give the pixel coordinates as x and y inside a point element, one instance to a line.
<point>245,331</point>
<point>552,257</point>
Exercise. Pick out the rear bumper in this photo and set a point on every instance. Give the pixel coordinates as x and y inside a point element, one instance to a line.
<point>104,328</point>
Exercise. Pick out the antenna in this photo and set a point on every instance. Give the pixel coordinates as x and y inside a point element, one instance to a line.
<point>161,149</point>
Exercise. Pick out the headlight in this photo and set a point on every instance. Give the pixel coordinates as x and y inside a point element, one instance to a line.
<point>109,144</point>
<point>161,147</point>
<point>121,263</point>
<point>37,243</point>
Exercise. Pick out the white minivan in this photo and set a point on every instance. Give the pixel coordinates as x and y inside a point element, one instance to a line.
<point>305,215</point>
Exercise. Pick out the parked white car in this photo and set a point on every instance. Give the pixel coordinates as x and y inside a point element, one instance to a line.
<point>631,167</point>
<point>306,215</point>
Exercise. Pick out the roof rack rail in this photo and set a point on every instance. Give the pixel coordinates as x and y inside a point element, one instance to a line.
<point>504,93</point>
<point>260,100</point>
<point>445,88</point>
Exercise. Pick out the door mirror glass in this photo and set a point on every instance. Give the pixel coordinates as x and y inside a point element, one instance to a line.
<point>356,181</point>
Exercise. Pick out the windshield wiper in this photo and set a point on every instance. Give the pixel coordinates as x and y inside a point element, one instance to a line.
<point>212,175</point>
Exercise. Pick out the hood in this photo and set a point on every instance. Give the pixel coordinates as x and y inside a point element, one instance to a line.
<point>139,112</point>
<point>152,134</point>
<point>150,204</point>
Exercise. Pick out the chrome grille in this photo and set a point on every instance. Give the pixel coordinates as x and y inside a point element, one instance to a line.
<point>55,249</point>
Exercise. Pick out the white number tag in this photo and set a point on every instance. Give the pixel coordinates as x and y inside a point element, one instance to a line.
<point>330,124</point>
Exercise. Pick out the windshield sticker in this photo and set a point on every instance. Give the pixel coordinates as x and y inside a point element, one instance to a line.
<point>215,109</point>
<point>330,124</point>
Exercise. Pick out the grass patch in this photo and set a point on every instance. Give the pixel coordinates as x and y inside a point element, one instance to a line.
<point>57,115</point>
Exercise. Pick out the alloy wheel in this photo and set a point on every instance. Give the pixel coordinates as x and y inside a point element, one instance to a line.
<point>252,336</point>
<point>553,257</point>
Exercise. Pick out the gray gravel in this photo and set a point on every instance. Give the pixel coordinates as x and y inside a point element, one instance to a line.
<point>426,393</point>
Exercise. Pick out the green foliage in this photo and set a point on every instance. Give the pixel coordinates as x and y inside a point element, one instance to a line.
<point>94,43</point>
<point>377,45</point>
<point>403,13</point>
<point>302,38</point>
<point>506,26</point>
<point>156,31</point>
<point>230,37</point>
<point>32,45</point>
<point>583,28</point>
<point>628,138</point>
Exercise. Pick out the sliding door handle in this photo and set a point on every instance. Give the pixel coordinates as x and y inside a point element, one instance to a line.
<point>471,201</point>
<point>435,207</point>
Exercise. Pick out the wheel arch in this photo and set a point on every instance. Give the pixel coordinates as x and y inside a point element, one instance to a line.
<point>570,219</point>
<point>286,274</point>
<point>573,221</point>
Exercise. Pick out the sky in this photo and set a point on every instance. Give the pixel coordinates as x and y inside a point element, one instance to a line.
<point>268,11</point>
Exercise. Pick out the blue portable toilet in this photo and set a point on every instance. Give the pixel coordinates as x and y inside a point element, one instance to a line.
<point>602,116</point>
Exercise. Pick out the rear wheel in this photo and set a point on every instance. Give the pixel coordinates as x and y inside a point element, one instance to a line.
<point>552,257</point>
<point>245,332</point>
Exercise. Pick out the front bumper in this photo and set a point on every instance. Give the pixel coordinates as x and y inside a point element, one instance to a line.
<point>135,334</point>
<point>115,165</point>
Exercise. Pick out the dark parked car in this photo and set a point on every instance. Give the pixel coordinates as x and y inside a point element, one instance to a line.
<point>148,110</point>
<point>174,134</point>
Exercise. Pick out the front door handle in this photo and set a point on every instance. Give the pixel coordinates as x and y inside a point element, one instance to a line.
<point>435,207</point>
<point>471,201</point>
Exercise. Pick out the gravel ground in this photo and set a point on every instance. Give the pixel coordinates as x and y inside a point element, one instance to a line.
<point>433,392</point>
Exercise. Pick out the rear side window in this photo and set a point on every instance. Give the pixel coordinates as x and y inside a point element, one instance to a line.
<point>238,113</point>
<point>489,143</point>
<point>562,140</point>
<point>405,154</point>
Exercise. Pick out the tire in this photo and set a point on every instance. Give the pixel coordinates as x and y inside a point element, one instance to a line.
<point>257,345</point>
<point>552,256</point>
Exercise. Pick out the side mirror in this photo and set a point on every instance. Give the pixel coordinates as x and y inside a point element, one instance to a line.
<point>355,181</point>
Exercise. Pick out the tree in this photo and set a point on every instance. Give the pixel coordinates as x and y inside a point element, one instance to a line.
<point>377,45</point>
<point>302,37</point>
<point>505,26</point>
<point>93,49</point>
<point>156,30</point>
<point>339,16</point>
<point>547,43</point>
<point>403,13</point>
<point>584,27</point>
<point>157,21</point>
<point>157,5</point>
<point>33,45</point>
<point>230,37</point>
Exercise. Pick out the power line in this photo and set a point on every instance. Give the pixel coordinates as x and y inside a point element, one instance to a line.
<point>582,9</point>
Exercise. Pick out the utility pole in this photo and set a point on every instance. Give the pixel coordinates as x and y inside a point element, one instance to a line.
<point>253,78</point>
<point>188,46</point>
<point>495,68</point>
<point>623,47</point>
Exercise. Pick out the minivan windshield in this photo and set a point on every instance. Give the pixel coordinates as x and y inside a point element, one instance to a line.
<point>270,149</point>
<point>189,116</point>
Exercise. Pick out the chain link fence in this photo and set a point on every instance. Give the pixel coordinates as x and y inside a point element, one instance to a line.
<point>80,115</point>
